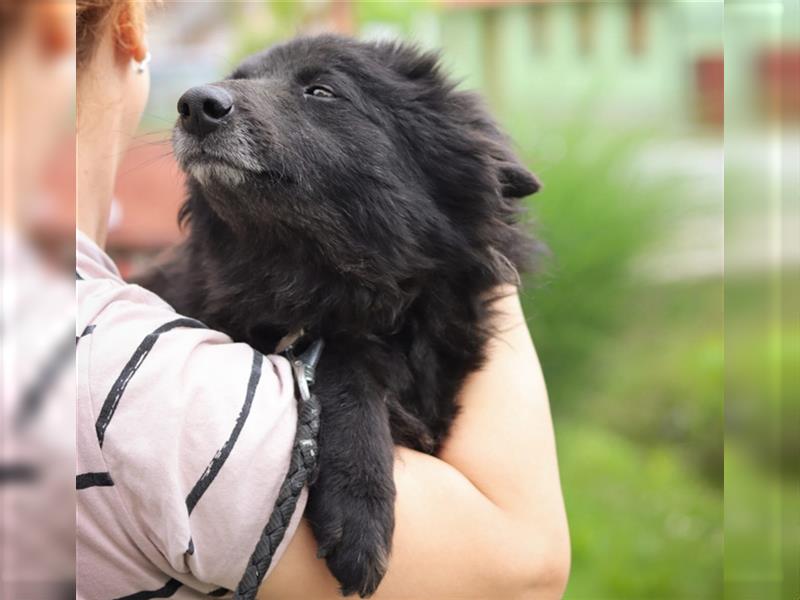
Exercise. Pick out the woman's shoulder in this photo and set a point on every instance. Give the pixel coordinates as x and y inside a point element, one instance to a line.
<point>191,432</point>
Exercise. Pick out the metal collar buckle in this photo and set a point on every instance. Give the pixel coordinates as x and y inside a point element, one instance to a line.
<point>304,366</point>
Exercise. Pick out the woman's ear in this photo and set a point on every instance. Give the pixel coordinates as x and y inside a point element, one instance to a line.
<point>516,181</point>
<point>130,35</point>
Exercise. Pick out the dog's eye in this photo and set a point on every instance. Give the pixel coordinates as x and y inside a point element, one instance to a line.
<point>320,91</point>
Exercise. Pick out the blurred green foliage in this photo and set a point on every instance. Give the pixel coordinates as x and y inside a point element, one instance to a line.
<point>762,359</point>
<point>762,450</point>
<point>634,367</point>
<point>761,550</point>
<point>642,524</point>
<point>596,220</point>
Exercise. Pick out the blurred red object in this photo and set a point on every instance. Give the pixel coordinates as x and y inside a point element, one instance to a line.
<point>779,78</point>
<point>710,82</point>
<point>149,192</point>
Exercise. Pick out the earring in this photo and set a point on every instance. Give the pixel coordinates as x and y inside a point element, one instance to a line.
<point>140,65</point>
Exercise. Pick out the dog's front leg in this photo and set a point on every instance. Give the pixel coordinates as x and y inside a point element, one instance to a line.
<point>351,503</point>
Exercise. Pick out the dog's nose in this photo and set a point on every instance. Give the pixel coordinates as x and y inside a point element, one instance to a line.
<point>203,108</point>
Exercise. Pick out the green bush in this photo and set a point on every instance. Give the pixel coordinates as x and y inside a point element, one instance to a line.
<point>663,383</point>
<point>762,356</point>
<point>642,526</point>
<point>635,369</point>
<point>597,220</point>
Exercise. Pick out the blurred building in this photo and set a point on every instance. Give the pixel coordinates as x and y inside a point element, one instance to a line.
<point>626,62</point>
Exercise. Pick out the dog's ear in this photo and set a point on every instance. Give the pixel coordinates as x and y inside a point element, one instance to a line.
<point>516,181</point>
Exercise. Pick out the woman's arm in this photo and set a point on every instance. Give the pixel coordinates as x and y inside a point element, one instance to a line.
<point>483,520</point>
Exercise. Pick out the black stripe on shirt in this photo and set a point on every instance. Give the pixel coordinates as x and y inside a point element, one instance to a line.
<point>219,592</point>
<point>133,364</point>
<point>88,330</point>
<point>87,480</point>
<point>222,454</point>
<point>165,592</point>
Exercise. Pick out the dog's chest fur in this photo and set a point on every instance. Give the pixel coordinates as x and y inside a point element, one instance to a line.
<point>416,342</point>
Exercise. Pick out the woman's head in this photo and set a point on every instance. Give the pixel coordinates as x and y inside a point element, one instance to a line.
<point>122,19</point>
<point>110,46</point>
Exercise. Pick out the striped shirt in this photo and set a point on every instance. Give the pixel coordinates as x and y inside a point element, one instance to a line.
<point>183,441</point>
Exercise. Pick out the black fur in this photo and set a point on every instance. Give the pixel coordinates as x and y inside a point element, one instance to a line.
<point>381,219</point>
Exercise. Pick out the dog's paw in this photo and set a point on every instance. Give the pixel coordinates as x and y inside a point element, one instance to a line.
<point>359,561</point>
<point>354,535</point>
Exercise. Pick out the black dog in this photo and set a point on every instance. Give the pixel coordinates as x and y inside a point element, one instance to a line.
<point>347,189</point>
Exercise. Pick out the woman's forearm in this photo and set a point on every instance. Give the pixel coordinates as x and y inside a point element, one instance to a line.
<point>450,541</point>
<point>503,442</point>
<point>483,520</point>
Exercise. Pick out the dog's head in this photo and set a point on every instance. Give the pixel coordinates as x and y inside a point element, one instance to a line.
<point>365,148</point>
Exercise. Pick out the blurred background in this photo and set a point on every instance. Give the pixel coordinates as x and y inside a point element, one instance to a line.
<point>667,320</point>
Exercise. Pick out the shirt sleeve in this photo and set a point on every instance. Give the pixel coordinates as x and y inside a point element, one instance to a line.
<point>196,432</point>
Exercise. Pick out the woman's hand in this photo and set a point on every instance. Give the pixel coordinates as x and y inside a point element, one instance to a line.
<point>486,518</point>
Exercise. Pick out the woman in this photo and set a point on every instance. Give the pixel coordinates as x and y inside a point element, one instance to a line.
<point>184,436</point>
